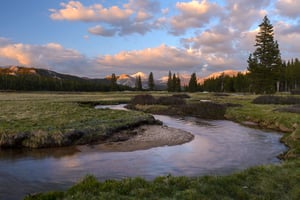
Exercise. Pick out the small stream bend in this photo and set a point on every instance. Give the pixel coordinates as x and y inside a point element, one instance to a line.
<point>219,147</point>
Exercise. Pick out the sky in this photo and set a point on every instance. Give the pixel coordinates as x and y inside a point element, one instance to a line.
<point>95,38</point>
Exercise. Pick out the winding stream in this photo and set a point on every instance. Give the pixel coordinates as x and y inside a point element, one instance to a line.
<point>220,147</point>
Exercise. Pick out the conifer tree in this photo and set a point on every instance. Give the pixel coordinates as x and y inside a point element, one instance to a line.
<point>151,84</point>
<point>178,84</point>
<point>265,63</point>
<point>138,83</point>
<point>170,82</point>
<point>113,83</point>
<point>193,83</point>
<point>174,82</point>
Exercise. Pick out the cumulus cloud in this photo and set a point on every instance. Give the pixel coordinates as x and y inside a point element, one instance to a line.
<point>288,8</point>
<point>165,11</point>
<point>137,16</point>
<point>211,41</point>
<point>150,6</point>
<point>193,14</point>
<point>75,11</point>
<point>243,14</point>
<point>99,30</point>
<point>51,55</point>
<point>159,59</point>
<point>287,35</point>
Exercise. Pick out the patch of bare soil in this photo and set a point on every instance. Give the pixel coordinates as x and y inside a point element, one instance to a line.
<point>143,137</point>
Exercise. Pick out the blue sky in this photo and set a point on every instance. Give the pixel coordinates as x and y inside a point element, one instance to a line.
<point>95,38</point>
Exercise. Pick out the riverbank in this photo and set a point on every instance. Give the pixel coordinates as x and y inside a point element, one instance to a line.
<point>141,138</point>
<point>263,182</point>
<point>235,107</point>
<point>32,120</point>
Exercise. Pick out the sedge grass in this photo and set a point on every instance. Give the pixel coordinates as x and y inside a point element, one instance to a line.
<point>53,115</point>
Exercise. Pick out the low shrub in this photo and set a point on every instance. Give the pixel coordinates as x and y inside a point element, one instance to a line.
<point>146,99</point>
<point>295,92</point>
<point>269,99</point>
<point>290,109</point>
<point>204,110</point>
<point>183,96</point>
<point>221,94</point>
<point>170,100</point>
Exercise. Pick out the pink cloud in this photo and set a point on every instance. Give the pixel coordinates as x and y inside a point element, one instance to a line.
<point>289,8</point>
<point>75,11</point>
<point>193,14</point>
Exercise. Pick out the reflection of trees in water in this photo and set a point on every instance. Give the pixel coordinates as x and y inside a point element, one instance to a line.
<point>12,154</point>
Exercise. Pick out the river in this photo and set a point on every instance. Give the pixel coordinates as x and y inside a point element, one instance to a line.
<point>220,147</point>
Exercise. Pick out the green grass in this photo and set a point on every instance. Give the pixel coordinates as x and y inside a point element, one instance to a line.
<point>265,182</point>
<point>47,118</point>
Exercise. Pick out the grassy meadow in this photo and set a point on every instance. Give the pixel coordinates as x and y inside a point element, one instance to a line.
<point>60,113</point>
<point>38,120</point>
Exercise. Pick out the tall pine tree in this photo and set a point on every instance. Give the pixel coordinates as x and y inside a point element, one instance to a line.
<point>151,84</point>
<point>178,84</point>
<point>170,83</point>
<point>193,83</point>
<point>265,63</point>
<point>138,83</point>
<point>113,83</point>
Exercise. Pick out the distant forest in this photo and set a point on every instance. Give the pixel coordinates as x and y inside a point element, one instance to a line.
<point>37,82</point>
<point>288,79</point>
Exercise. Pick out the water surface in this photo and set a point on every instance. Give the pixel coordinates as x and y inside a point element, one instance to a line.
<point>220,147</point>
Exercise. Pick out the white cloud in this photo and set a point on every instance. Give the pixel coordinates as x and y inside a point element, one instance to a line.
<point>159,60</point>
<point>75,11</point>
<point>193,14</point>
<point>288,36</point>
<point>165,11</point>
<point>243,14</point>
<point>51,55</point>
<point>99,30</point>
<point>289,8</point>
<point>151,6</point>
<point>137,16</point>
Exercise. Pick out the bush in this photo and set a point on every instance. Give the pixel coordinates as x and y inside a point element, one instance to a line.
<point>170,100</point>
<point>205,110</point>
<point>183,96</point>
<point>295,92</point>
<point>221,94</point>
<point>268,99</point>
<point>146,99</point>
<point>291,109</point>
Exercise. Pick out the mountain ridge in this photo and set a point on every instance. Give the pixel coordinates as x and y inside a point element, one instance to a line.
<point>14,70</point>
<point>122,79</point>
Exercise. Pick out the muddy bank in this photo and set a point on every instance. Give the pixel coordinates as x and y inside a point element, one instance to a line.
<point>140,138</point>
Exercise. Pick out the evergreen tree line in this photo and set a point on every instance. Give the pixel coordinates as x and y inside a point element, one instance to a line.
<point>29,82</point>
<point>288,80</point>
<point>174,83</point>
<point>290,75</point>
<point>225,83</point>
